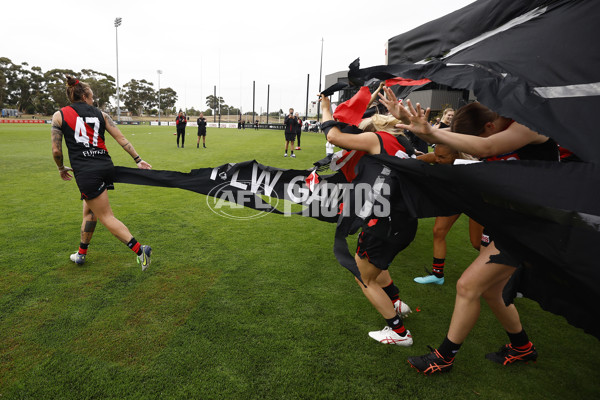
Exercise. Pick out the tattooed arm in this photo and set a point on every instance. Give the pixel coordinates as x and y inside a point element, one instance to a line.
<point>57,152</point>
<point>116,133</point>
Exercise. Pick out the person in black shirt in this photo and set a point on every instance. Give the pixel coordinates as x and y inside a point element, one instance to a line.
<point>181,122</point>
<point>83,127</point>
<point>201,130</point>
<point>298,130</point>
<point>290,123</point>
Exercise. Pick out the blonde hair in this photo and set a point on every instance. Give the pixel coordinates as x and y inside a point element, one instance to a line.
<point>378,123</point>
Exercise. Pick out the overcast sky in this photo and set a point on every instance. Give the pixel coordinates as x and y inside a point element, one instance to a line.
<point>200,44</point>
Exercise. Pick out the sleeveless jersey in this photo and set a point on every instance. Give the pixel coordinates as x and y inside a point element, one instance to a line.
<point>394,146</point>
<point>83,128</point>
<point>547,151</point>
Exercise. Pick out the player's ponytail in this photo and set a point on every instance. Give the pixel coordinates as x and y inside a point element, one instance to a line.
<point>378,123</point>
<point>76,90</point>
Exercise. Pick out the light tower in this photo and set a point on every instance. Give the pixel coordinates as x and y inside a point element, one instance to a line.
<point>117,24</point>
<point>159,71</point>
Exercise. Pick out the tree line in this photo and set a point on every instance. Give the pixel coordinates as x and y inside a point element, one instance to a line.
<point>33,91</point>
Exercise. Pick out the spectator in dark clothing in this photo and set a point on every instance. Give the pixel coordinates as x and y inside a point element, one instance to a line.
<point>298,130</point>
<point>181,122</point>
<point>290,122</point>
<point>201,130</point>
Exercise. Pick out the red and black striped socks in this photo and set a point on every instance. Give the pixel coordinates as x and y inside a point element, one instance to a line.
<point>438,267</point>
<point>83,247</point>
<point>392,291</point>
<point>397,325</point>
<point>135,246</point>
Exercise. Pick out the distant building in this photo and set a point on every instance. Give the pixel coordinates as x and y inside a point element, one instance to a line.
<point>312,108</point>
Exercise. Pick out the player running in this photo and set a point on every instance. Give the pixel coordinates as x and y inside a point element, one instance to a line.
<point>83,127</point>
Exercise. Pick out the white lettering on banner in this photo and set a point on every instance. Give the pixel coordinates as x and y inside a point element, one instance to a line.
<point>373,194</point>
<point>325,199</point>
<point>222,175</point>
<point>213,174</point>
<point>264,176</point>
<point>328,198</point>
<point>293,190</point>
<point>223,201</point>
<point>229,198</point>
<point>235,183</point>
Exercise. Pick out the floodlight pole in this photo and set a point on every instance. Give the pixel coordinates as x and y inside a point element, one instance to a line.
<point>159,72</point>
<point>320,74</point>
<point>117,24</point>
<point>307,82</point>
<point>268,92</point>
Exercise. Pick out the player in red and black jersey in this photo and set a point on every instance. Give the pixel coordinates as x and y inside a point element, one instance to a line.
<point>483,134</point>
<point>384,237</point>
<point>83,126</point>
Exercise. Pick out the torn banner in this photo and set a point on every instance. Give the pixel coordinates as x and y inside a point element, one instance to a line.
<point>547,213</point>
<point>244,183</point>
<point>327,198</point>
<point>528,60</point>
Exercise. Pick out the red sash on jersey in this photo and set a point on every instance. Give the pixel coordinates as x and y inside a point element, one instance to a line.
<point>349,160</point>
<point>70,117</point>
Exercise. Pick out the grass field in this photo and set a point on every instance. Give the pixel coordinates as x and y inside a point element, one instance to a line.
<point>229,309</point>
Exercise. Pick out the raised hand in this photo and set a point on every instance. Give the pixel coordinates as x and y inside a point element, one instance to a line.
<point>394,105</point>
<point>417,121</point>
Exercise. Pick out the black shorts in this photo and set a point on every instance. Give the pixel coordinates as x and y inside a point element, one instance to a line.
<point>290,137</point>
<point>201,133</point>
<point>381,240</point>
<point>504,256</point>
<point>93,183</point>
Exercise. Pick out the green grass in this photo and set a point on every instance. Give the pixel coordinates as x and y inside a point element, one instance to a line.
<point>229,308</point>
